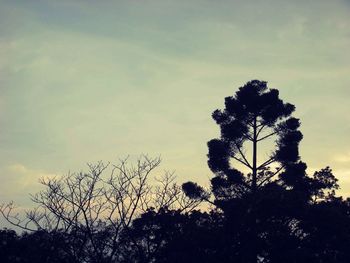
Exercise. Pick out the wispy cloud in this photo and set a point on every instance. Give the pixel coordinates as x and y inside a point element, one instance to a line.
<point>20,180</point>
<point>342,158</point>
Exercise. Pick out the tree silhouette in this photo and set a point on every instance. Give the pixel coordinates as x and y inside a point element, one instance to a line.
<point>262,202</point>
<point>94,211</point>
<point>254,115</point>
<point>173,236</point>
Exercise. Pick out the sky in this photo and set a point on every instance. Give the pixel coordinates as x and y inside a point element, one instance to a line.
<point>83,81</point>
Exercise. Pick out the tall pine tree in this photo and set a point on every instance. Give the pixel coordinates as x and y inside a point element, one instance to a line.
<point>265,193</point>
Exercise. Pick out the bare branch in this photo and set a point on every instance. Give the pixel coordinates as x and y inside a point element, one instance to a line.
<point>271,176</point>
<point>246,163</point>
<point>268,162</point>
<point>267,136</point>
<point>242,162</point>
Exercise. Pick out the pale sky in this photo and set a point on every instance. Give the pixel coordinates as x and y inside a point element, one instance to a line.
<point>83,81</point>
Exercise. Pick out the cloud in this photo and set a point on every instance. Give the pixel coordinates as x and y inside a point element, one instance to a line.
<point>18,181</point>
<point>344,181</point>
<point>342,158</point>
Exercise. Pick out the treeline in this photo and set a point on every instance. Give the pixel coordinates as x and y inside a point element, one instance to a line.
<point>260,207</point>
<point>320,235</point>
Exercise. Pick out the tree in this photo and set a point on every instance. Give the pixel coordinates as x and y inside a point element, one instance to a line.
<point>94,212</point>
<point>262,201</point>
<point>8,245</point>
<point>174,236</point>
<point>254,115</point>
<point>328,226</point>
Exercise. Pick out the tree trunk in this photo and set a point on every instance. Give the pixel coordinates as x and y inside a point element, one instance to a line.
<point>254,252</point>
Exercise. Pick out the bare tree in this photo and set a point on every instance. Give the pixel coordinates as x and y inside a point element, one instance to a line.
<point>96,210</point>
